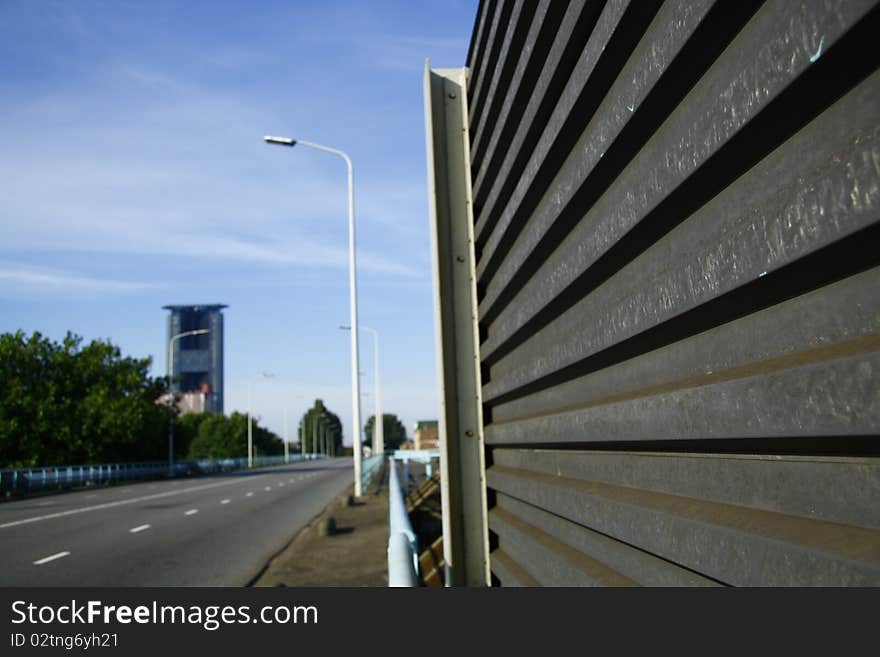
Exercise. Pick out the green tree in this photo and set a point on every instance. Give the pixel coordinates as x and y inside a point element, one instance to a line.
<point>320,421</point>
<point>186,428</point>
<point>69,403</point>
<point>394,433</point>
<point>221,437</point>
<point>266,443</point>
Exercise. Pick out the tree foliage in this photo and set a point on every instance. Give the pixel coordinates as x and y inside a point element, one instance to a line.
<point>68,402</point>
<point>219,437</point>
<point>394,433</point>
<point>316,424</point>
<point>186,428</point>
<point>75,403</point>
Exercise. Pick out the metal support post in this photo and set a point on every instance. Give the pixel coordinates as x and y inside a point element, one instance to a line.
<point>462,460</point>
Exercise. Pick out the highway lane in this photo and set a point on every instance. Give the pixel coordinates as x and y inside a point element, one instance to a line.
<point>207,531</point>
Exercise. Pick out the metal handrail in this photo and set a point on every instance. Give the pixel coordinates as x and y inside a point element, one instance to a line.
<point>22,481</point>
<point>403,559</point>
<point>371,466</point>
<point>425,456</point>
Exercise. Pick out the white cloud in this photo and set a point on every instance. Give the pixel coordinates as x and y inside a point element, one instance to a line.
<point>24,280</point>
<point>184,174</point>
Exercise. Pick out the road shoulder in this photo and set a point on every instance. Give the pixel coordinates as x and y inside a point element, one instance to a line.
<point>354,554</point>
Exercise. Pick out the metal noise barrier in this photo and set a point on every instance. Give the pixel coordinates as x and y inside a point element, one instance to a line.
<point>402,544</point>
<point>654,233</point>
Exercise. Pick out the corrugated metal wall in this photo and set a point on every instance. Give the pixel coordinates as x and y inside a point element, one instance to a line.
<point>676,214</point>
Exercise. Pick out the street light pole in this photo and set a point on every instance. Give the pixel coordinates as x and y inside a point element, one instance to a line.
<point>379,421</point>
<point>171,394</point>
<point>352,277</point>
<point>286,446</point>
<point>265,375</point>
<point>299,432</point>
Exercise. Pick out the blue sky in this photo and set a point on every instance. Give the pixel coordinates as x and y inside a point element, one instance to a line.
<point>133,175</point>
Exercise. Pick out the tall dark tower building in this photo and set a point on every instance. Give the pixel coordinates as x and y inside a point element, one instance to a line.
<point>197,358</point>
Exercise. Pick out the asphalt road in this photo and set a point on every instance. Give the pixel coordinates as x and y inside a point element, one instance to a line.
<point>207,531</point>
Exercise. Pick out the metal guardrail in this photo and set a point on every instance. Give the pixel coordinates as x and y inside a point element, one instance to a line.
<point>427,457</point>
<point>403,554</point>
<point>23,481</point>
<point>369,468</point>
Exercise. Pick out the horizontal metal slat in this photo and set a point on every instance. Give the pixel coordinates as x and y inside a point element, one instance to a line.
<point>667,33</point>
<point>534,50</point>
<point>739,85</point>
<point>828,398</point>
<point>551,562</point>
<point>479,54</point>
<point>842,490</point>
<point>831,314</point>
<point>639,566</point>
<point>519,146</point>
<point>509,572</point>
<point>823,186</point>
<point>476,92</point>
<point>731,544</point>
<point>511,51</point>
<point>481,19</point>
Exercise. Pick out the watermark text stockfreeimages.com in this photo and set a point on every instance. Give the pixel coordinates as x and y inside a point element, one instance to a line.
<point>209,617</point>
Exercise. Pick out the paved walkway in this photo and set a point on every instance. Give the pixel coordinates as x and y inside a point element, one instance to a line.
<point>353,555</point>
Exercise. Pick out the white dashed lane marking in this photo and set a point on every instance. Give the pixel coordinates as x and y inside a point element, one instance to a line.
<point>110,505</point>
<point>139,528</point>
<point>191,512</point>
<point>59,555</point>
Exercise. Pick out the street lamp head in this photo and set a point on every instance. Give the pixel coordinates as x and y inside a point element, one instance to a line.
<point>345,327</point>
<point>280,141</point>
<point>189,333</point>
